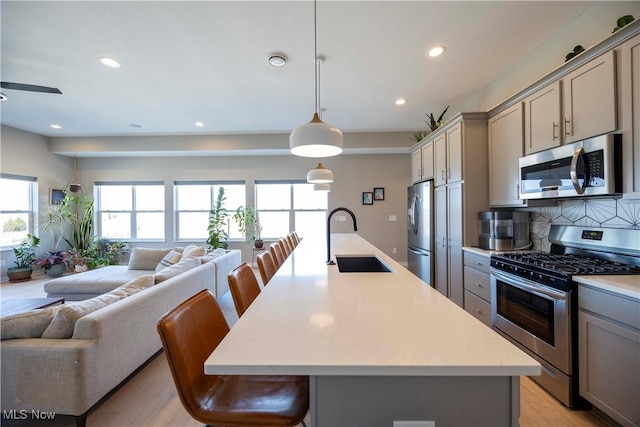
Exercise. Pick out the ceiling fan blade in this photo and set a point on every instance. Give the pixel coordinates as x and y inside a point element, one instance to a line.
<point>30,88</point>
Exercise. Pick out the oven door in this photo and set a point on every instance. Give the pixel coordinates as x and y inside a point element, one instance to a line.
<point>535,316</point>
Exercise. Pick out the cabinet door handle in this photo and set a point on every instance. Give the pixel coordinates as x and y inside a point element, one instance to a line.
<point>567,132</point>
<point>475,309</point>
<point>555,126</point>
<point>448,173</point>
<point>476,262</point>
<point>442,175</point>
<point>480,285</point>
<point>444,242</point>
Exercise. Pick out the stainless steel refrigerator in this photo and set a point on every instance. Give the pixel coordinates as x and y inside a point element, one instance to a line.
<point>420,230</point>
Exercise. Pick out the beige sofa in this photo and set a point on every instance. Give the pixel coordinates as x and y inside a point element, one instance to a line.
<point>69,376</point>
<point>81,286</point>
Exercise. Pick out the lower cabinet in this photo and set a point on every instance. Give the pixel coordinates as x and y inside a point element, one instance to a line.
<point>609,353</point>
<point>477,286</point>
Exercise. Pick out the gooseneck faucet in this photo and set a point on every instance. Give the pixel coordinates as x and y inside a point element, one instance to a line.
<point>355,228</point>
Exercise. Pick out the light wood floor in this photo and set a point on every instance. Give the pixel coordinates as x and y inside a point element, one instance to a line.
<point>149,397</point>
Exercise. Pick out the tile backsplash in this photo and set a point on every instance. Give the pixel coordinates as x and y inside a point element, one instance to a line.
<point>606,213</point>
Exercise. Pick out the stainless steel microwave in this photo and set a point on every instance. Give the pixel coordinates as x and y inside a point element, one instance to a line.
<point>592,167</point>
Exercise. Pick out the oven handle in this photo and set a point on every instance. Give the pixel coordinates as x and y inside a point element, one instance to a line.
<point>529,286</point>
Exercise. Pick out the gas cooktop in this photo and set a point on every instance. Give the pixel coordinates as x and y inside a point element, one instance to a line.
<point>567,263</point>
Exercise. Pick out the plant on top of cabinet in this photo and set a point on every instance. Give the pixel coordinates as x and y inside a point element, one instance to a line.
<point>576,51</point>
<point>622,21</point>
<point>432,123</point>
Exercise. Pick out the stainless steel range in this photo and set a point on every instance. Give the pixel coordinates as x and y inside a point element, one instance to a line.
<point>535,298</point>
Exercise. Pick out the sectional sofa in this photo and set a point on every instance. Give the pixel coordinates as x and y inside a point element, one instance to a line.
<point>64,359</point>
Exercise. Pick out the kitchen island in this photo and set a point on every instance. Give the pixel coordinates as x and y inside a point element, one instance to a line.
<point>379,347</point>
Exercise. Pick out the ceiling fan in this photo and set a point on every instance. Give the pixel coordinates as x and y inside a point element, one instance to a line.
<point>26,87</point>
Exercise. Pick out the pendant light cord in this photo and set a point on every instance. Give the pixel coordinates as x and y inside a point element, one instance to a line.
<point>315,56</point>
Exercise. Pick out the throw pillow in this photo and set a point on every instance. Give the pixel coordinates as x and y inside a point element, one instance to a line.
<point>169,259</point>
<point>65,318</point>
<point>136,285</point>
<point>193,251</point>
<point>146,258</point>
<point>27,325</point>
<point>175,269</point>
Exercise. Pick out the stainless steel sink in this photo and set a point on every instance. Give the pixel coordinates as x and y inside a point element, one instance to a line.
<point>361,264</point>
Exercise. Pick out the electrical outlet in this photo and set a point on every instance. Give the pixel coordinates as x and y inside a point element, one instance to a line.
<point>395,250</point>
<point>393,218</point>
<point>342,218</point>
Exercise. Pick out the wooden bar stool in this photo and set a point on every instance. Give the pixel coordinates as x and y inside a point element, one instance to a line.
<point>284,244</point>
<point>190,333</point>
<point>266,266</point>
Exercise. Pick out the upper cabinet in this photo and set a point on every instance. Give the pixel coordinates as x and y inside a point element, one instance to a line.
<point>448,156</point>
<point>542,124</point>
<point>505,148</point>
<point>422,163</point>
<point>629,90</point>
<point>580,105</point>
<point>589,99</point>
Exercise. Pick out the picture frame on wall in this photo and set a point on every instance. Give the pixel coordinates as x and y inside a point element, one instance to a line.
<point>367,198</point>
<point>378,193</point>
<point>56,196</point>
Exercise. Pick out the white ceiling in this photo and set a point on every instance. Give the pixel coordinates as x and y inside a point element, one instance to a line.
<point>206,61</point>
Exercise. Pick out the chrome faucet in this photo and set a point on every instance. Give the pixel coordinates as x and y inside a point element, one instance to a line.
<point>355,228</point>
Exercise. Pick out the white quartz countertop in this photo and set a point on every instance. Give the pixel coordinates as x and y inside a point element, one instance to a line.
<point>313,320</point>
<point>625,285</point>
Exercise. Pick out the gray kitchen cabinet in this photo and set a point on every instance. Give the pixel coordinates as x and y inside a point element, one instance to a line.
<point>448,250</point>
<point>609,353</point>
<point>422,163</point>
<point>477,286</point>
<point>506,145</point>
<point>416,166</point>
<point>460,159</point>
<point>542,119</point>
<point>629,102</point>
<point>580,105</point>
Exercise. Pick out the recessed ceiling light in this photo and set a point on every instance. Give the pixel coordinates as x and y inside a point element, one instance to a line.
<point>56,126</point>
<point>109,62</point>
<point>199,124</point>
<point>278,60</point>
<point>436,51</point>
<point>401,101</point>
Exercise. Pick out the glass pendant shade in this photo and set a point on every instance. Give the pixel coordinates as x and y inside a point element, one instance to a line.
<point>322,187</point>
<point>316,139</point>
<point>320,175</point>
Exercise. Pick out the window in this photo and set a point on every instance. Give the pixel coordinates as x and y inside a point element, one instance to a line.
<point>17,207</point>
<point>286,206</point>
<point>194,199</point>
<point>130,210</point>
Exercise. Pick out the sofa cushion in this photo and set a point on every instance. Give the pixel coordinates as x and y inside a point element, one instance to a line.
<point>146,258</point>
<point>174,270</point>
<point>136,285</point>
<point>27,325</point>
<point>169,259</point>
<point>65,318</point>
<point>193,251</point>
<point>210,256</point>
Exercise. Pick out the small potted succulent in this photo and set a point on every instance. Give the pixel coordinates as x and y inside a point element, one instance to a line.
<point>25,256</point>
<point>54,263</point>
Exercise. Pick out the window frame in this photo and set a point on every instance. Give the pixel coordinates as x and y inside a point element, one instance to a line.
<point>98,211</point>
<point>33,204</point>
<point>213,189</point>
<point>292,211</point>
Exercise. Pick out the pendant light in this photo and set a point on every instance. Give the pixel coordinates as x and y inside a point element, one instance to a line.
<point>322,187</point>
<point>316,138</point>
<point>319,175</point>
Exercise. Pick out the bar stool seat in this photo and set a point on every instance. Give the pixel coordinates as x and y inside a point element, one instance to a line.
<point>189,333</point>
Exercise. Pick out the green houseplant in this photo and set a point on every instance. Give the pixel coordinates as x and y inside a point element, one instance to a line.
<point>217,228</point>
<point>25,256</point>
<point>432,123</point>
<point>249,225</point>
<point>54,263</point>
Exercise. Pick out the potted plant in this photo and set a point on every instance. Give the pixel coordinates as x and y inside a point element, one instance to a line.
<point>217,228</point>
<point>249,225</point>
<point>433,124</point>
<point>25,256</point>
<point>54,263</point>
<point>78,260</point>
<point>78,211</point>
